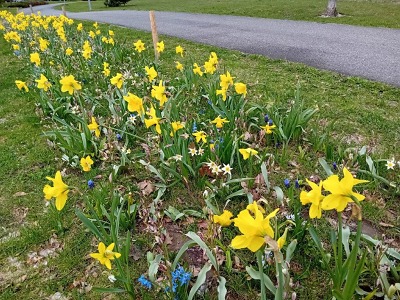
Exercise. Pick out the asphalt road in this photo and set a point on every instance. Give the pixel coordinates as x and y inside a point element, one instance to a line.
<point>372,53</point>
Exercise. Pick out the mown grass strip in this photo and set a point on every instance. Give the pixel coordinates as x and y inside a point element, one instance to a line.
<point>364,13</point>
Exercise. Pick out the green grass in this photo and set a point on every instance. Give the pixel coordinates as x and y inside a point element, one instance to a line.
<point>359,111</point>
<point>385,13</point>
<point>25,162</point>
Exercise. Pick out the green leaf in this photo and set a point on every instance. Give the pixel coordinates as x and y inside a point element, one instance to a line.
<point>290,250</point>
<point>371,165</point>
<point>152,170</point>
<point>84,142</point>
<point>238,193</point>
<point>181,251</point>
<point>194,213</point>
<point>201,278</point>
<point>264,173</point>
<point>173,213</point>
<point>345,240</point>
<point>390,251</point>
<point>221,288</point>
<point>325,166</point>
<point>362,151</point>
<point>279,194</point>
<point>153,268</point>
<point>370,295</point>
<point>267,281</point>
<point>89,224</point>
<point>203,246</point>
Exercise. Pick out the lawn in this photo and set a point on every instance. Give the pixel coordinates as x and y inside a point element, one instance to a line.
<point>384,13</point>
<point>45,252</point>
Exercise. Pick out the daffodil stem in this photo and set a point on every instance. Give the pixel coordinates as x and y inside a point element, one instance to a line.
<point>340,247</point>
<point>281,282</point>
<point>251,172</point>
<point>259,255</point>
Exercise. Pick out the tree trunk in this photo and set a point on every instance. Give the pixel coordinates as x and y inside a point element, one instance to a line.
<point>331,9</point>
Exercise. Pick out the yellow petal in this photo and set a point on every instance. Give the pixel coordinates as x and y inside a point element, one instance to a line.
<point>61,200</point>
<point>101,248</point>
<point>107,263</point>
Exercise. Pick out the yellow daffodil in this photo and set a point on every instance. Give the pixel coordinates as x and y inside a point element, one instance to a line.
<point>43,44</point>
<point>154,120</point>
<point>222,92</point>
<point>282,240</point>
<point>253,228</point>
<point>92,34</point>
<point>43,83</point>
<point>105,255</point>
<point>209,67</point>
<point>225,80</point>
<point>110,41</point>
<point>200,136</point>
<point>268,128</point>
<point>158,92</point>
<point>59,190</point>
<point>213,58</point>
<point>117,80</point>
<point>224,219</point>
<point>139,46</point>
<point>241,89</point>
<point>179,50</point>
<point>197,70</point>
<point>106,71</point>
<point>151,73</point>
<point>87,50</point>
<point>86,163</point>
<point>79,27</point>
<point>21,85</point>
<point>69,51</point>
<point>95,25</point>
<point>247,152</point>
<point>15,47</point>
<point>341,191</point>
<point>93,126</point>
<point>176,126</point>
<point>135,104</point>
<point>160,47</point>
<point>314,197</point>
<point>69,84</point>
<point>111,33</point>
<point>219,122</point>
<point>35,58</point>
<point>178,66</point>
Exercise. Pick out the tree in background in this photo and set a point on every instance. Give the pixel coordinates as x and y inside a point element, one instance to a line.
<point>331,9</point>
<point>114,3</point>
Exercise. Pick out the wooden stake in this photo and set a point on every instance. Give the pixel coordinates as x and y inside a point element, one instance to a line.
<point>30,5</point>
<point>63,11</point>
<point>154,33</point>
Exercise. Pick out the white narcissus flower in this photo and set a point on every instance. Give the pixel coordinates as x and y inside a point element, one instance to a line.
<point>390,164</point>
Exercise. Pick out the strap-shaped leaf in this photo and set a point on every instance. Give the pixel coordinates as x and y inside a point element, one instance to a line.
<point>201,278</point>
<point>221,288</point>
<point>255,274</point>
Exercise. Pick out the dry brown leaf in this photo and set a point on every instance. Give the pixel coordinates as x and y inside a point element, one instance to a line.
<point>146,149</point>
<point>20,194</point>
<point>247,136</point>
<point>386,225</point>
<point>146,187</point>
<point>259,180</point>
